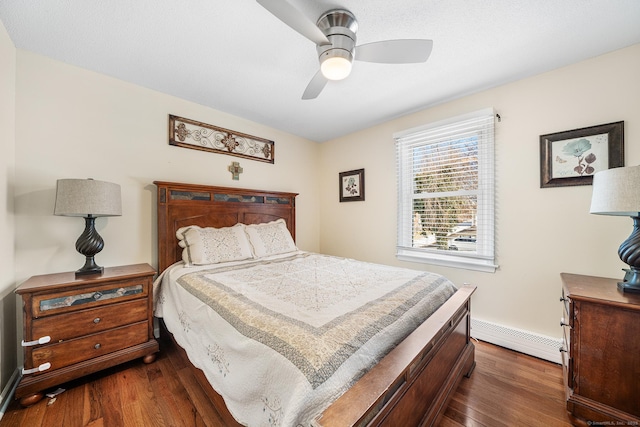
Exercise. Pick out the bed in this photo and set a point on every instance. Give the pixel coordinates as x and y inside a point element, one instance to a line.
<point>409,386</point>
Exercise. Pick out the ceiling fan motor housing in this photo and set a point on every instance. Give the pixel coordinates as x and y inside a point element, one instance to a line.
<point>340,27</point>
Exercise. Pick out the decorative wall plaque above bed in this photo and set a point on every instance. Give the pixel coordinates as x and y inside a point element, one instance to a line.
<point>189,133</point>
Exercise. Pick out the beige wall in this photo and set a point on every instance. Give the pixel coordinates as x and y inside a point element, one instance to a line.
<point>73,123</point>
<point>539,232</point>
<point>7,146</point>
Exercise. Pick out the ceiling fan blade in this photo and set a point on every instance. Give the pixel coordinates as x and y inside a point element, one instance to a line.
<point>315,86</point>
<point>290,15</point>
<point>395,51</point>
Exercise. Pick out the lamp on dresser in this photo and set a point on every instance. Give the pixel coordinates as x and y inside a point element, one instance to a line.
<point>90,199</point>
<point>617,192</point>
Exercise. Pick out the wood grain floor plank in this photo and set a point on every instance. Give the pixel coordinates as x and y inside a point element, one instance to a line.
<point>199,399</point>
<point>145,408</point>
<point>54,414</point>
<point>92,410</point>
<point>171,402</point>
<point>73,413</point>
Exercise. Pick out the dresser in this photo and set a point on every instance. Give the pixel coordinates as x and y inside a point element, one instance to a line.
<point>74,326</point>
<point>601,353</point>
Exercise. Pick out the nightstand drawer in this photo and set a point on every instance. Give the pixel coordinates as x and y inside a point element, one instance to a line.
<point>81,349</point>
<point>90,321</point>
<point>87,297</point>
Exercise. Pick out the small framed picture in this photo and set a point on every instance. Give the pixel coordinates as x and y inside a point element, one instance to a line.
<point>352,185</point>
<point>572,157</point>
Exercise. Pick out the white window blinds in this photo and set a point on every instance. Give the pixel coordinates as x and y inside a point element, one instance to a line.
<point>446,192</point>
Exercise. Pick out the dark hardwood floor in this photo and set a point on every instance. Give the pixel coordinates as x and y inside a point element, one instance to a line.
<point>505,389</point>
<point>508,389</point>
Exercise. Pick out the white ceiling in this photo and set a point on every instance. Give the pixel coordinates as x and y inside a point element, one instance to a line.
<point>234,56</point>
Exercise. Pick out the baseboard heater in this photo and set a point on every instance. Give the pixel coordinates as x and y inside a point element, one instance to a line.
<point>9,391</point>
<point>526,342</point>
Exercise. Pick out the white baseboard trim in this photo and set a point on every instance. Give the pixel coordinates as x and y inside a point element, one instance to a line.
<point>8,392</point>
<point>526,342</point>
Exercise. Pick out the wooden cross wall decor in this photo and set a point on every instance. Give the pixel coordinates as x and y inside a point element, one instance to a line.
<point>235,170</point>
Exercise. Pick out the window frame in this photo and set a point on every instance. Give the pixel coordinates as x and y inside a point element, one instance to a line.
<point>484,258</point>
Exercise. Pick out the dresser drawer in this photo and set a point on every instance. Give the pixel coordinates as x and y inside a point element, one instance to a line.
<point>49,304</point>
<point>85,348</point>
<point>85,322</point>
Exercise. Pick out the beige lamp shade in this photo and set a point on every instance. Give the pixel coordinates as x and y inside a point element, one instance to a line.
<point>83,197</point>
<point>616,192</point>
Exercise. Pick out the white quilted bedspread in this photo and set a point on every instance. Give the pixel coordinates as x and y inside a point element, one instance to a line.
<point>283,337</point>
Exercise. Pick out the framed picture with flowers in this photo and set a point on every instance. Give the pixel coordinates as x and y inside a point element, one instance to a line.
<point>572,157</point>
<point>351,185</point>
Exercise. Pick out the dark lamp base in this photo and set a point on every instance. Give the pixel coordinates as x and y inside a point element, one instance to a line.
<point>631,281</point>
<point>88,271</point>
<point>88,244</point>
<point>629,253</point>
<point>628,287</point>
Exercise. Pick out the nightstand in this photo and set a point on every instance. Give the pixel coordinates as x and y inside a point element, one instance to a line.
<point>74,326</point>
<point>601,362</point>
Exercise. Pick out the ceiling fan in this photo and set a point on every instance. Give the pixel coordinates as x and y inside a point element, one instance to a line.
<point>335,37</point>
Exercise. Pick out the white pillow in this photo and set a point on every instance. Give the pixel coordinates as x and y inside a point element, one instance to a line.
<point>213,245</point>
<point>270,238</point>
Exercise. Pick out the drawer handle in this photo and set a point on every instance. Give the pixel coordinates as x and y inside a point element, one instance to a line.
<point>97,346</point>
<point>39,341</point>
<point>40,368</point>
<point>96,320</point>
<point>563,323</point>
<point>563,350</point>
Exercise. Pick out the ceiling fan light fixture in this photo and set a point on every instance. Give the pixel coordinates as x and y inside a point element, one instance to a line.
<point>335,37</point>
<point>336,64</point>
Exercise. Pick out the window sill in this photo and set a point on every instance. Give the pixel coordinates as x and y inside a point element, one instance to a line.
<point>447,260</point>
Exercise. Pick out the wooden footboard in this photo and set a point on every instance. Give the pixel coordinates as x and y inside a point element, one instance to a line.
<point>411,386</point>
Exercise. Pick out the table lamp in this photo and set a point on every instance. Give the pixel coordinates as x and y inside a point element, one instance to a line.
<point>617,192</point>
<point>90,199</point>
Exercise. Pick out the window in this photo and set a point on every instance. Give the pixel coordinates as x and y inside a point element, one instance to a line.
<point>445,192</point>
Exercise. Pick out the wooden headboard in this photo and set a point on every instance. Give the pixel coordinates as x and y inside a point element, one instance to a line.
<point>180,205</point>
